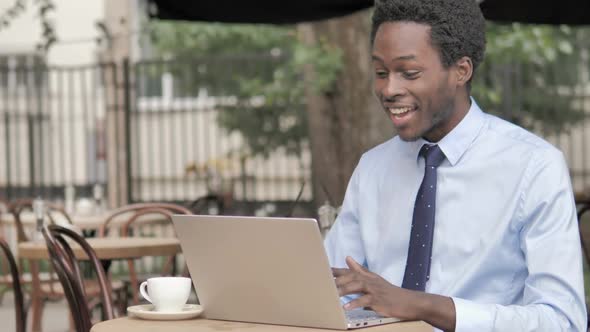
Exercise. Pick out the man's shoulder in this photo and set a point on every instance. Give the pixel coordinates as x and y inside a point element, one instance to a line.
<point>384,150</point>
<point>510,134</point>
<point>380,155</point>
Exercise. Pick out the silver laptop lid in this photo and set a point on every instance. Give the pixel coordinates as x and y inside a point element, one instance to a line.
<point>266,270</point>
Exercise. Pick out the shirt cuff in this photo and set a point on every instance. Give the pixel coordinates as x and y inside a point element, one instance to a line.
<point>472,316</point>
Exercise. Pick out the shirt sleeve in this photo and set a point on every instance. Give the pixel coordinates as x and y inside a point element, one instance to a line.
<point>344,238</point>
<point>553,298</point>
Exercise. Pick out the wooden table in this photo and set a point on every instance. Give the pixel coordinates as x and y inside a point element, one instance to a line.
<point>109,248</point>
<point>91,221</point>
<point>105,248</point>
<point>129,324</point>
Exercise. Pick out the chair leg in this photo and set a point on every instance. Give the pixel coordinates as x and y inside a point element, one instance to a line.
<point>2,292</point>
<point>36,299</point>
<point>133,282</point>
<point>36,313</point>
<point>123,300</point>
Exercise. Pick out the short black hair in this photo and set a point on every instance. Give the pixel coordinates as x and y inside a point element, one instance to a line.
<point>457,26</point>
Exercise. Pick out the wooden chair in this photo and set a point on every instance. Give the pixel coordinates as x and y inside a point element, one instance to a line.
<point>68,270</point>
<point>5,271</point>
<point>133,208</point>
<point>19,306</point>
<point>584,228</point>
<point>53,212</point>
<point>49,284</point>
<point>203,204</point>
<point>50,287</point>
<point>134,217</point>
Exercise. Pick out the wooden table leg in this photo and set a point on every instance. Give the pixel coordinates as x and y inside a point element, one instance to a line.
<point>133,282</point>
<point>36,301</point>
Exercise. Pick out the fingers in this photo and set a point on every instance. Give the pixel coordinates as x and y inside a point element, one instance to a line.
<point>350,287</point>
<point>350,281</point>
<point>353,265</point>
<point>338,272</point>
<point>344,278</point>
<point>360,302</point>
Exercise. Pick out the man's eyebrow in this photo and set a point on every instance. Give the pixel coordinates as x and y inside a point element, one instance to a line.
<point>403,57</point>
<point>376,58</point>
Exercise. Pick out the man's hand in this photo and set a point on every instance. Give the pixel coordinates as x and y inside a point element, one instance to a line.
<point>388,300</point>
<point>376,293</point>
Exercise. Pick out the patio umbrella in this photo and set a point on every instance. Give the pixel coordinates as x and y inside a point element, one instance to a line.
<point>257,11</point>
<point>572,12</point>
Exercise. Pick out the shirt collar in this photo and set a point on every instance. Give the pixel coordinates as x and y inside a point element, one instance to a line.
<point>456,142</point>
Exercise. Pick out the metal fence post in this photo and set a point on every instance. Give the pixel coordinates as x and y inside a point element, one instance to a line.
<point>127,117</point>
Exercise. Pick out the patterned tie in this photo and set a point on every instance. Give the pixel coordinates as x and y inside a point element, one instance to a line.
<point>420,250</point>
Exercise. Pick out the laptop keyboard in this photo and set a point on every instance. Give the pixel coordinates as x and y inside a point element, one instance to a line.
<point>359,316</point>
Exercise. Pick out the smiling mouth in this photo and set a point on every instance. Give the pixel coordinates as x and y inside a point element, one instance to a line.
<point>399,111</point>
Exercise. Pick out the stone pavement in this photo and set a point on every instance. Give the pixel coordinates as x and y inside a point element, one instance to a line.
<point>55,316</point>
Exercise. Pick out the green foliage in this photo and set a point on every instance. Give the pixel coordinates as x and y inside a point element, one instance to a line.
<point>326,60</point>
<point>530,74</point>
<point>274,119</point>
<point>259,65</point>
<point>531,43</point>
<point>183,39</point>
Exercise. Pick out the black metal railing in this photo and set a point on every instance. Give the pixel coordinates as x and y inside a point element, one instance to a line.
<point>150,130</point>
<point>164,117</point>
<point>52,129</point>
<point>179,149</point>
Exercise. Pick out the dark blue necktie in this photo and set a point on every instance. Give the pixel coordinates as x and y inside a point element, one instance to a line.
<point>420,250</point>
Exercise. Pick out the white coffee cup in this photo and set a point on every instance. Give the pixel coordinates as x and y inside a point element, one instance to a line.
<point>167,294</point>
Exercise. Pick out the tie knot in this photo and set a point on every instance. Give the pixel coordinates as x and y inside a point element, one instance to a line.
<point>432,154</point>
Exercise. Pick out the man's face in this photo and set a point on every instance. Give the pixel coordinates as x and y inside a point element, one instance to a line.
<point>416,91</point>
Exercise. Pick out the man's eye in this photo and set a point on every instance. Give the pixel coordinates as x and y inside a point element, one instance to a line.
<point>381,74</point>
<point>411,74</point>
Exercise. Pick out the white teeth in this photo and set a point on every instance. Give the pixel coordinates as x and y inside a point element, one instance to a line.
<point>398,111</point>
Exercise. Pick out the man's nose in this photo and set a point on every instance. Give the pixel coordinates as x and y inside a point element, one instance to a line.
<point>393,88</point>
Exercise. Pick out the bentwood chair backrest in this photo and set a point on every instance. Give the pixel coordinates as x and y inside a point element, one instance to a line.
<point>67,268</point>
<point>584,226</point>
<point>168,267</point>
<point>133,225</point>
<point>52,212</point>
<point>21,315</point>
<point>202,204</point>
<point>4,209</point>
<point>5,272</point>
<point>132,208</point>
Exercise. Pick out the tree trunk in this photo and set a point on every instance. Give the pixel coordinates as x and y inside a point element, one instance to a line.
<point>347,121</point>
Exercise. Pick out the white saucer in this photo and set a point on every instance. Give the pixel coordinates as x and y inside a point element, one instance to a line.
<point>146,311</point>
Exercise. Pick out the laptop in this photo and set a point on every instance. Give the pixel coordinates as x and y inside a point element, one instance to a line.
<point>265,270</point>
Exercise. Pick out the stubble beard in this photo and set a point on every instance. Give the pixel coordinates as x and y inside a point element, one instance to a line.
<point>439,118</point>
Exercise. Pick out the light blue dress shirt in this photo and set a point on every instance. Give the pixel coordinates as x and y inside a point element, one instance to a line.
<point>506,246</point>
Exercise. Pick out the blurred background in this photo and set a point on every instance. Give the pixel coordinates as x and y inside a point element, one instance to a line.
<point>103,96</point>
<point>251,107</point>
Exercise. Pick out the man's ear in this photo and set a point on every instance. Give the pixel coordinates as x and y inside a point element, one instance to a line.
<point>463,70</point>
